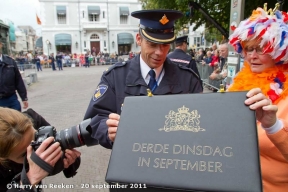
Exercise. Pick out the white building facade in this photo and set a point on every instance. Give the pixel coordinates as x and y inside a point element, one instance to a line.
<point>78,26</point>
<point>21,42</point>
<point>30,34</point>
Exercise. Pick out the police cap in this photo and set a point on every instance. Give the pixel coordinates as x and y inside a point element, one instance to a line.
<point>157,25</point>
<point>182,39</point>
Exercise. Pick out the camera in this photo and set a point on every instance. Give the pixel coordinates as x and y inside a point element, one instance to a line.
<point>69,138</point>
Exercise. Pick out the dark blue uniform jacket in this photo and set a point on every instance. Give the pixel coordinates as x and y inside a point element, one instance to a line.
<point>10,79</point>
<point>180,57</point>
<point>125,79</point>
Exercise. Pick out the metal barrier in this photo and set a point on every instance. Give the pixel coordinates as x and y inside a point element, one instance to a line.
<point>29,72</point>
<point>28,68</point>
<point>205,71</point>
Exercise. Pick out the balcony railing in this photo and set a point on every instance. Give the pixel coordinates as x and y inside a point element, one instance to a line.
<point>94,24</point>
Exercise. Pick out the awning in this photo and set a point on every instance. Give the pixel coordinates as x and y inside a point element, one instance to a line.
<point>124,11</point>
<point>63,39</point>
<point>39,42</point>
<point>93,10</point>
<point>61,10</point>
<point>125,38</point>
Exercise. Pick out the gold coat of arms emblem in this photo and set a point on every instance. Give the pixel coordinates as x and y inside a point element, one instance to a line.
<point>183,120</point>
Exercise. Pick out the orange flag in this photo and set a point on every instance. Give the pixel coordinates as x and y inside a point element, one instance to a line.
<point>38,20</point>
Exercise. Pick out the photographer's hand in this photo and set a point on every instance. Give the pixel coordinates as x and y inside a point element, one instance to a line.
<point>70,157</point>
<point>50,155</point>
<point>112,124</point>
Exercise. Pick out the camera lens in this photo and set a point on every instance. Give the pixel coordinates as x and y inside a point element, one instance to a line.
<point>70,138</point>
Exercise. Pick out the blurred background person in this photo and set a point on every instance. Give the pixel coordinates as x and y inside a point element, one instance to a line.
<point>11,81</point>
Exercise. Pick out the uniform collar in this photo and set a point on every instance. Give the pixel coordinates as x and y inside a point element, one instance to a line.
<point>145,69</point>
<point>179,50</point>
<point>134,75</point>
<point>1,59</point>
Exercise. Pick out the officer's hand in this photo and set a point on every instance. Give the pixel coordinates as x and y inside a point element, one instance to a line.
<point>112,124</point>
<point>265,110</point>
<point>25,104</point>
<point>70,157</point>
<point>50,155</point>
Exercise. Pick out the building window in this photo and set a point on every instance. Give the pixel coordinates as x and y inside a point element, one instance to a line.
<point>84,43</point>
<point>94,36</point>
<point>103,14</point>
<point>104,43</point>
<point>123,19</point>
<point>93,17</point>
<point>198,41</point>
<point>61,14</point>
<point>124,13</point>
<point>83,13</point>
<point>93,13</point>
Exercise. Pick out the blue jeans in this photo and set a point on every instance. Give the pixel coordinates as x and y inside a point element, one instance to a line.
<point>11,102</point>
<point>59,63</point>
<point>39,68</point>
<point>21,67</point>
<point>53,66</point>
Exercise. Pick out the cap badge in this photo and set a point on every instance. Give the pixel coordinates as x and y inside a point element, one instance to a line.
<point>164,20</point>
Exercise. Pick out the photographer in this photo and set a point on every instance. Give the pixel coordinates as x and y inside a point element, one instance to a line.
<point>16,133</point>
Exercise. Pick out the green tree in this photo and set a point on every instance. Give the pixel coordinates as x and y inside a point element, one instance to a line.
<point>218,9</point>
<point>212,35</point>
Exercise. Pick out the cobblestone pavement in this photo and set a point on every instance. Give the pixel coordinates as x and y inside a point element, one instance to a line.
<point>62,97</point>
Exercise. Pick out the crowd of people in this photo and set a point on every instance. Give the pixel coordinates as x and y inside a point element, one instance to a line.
<point>264,76</point>
<point>66,59</point>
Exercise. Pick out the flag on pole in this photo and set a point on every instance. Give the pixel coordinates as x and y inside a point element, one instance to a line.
<point>38,20</point>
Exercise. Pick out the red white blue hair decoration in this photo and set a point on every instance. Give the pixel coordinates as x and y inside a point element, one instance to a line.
<point>270,27</point>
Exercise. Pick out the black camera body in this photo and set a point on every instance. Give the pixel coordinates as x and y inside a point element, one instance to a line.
<point>69,138</point>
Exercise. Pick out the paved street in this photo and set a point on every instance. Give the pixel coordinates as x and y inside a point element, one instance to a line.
<point>62,97</point>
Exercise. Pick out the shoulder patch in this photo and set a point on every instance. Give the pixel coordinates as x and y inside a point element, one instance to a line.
<point>120,64</point>
<point>101,89</point>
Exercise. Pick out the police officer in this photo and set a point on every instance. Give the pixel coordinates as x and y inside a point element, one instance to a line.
<point>59,57</point>
<point>52,59</point>
<point>150,69</point>
<point>10,81</point>
<point>179,55</point>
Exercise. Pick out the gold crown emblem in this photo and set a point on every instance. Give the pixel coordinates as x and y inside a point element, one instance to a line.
<point>182,121</point>
<point>164,20</point>
<point>271,11</point>
<point>183,109</point>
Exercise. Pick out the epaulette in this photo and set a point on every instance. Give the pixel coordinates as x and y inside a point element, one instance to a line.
<point>188,69</point>
<point>116,65</point>
<point>9,59</point>
<point>8,56</point>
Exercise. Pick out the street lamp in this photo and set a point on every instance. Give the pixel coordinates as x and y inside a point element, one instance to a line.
<point>48,46</point>
<point>185,29</point>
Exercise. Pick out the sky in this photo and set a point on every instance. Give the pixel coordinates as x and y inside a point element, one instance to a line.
<point>21,12</point>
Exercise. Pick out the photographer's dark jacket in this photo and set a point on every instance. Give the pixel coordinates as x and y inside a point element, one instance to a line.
<point>11,169</point>
<point>10,79</point>
<point>125,79</point>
